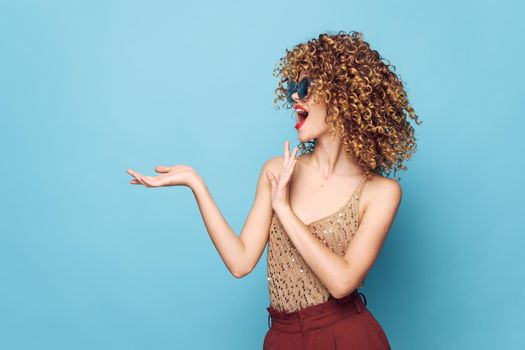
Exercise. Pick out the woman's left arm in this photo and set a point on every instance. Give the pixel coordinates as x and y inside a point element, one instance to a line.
<point>342,274</point>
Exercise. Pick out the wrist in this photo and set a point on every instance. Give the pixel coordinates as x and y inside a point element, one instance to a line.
<point>195,182</point>
<point>281,209</point>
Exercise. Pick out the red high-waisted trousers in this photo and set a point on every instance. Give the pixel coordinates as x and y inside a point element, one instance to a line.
<point>341,324</point>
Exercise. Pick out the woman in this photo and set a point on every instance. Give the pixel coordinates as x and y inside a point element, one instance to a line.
<point>325,214</point>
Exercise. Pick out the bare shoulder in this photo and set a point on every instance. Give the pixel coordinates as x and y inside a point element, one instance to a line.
<point>381,188</point>
<point>274,164</point>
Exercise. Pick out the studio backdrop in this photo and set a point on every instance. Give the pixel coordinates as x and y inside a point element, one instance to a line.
<point>89,89</point>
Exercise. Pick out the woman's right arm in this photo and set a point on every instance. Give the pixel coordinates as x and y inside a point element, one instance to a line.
<point>240,253</point>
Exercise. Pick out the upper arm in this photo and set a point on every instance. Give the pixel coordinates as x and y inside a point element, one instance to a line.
<point>373,229</point>
<point>255,232</point>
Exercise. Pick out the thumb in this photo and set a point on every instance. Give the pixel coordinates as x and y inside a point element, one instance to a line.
<point>270,177</point>
<point>162,169</point>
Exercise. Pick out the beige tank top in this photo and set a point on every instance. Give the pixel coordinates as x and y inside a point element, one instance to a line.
<point>292,285</point>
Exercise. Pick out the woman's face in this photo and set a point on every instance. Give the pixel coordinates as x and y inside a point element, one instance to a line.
<point>309,116</point>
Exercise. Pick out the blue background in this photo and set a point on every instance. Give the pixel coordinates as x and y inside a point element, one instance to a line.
<point>90,89</point>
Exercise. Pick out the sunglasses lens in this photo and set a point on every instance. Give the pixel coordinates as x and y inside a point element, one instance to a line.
<point>302,89</point>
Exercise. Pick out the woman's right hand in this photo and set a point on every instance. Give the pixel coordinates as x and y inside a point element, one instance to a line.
<point>178,175</point>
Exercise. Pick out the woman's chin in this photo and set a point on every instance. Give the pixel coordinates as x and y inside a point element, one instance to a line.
<point>303,139</point>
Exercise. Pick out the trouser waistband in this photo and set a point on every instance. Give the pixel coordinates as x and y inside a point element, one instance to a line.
<point>316,316</point>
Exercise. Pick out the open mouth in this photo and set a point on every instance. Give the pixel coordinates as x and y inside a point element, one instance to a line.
<point>302,114</point>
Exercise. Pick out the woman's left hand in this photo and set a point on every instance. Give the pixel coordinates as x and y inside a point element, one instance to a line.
<point>280,195</point>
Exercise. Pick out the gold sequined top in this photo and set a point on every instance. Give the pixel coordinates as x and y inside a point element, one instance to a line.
<point>292,285</point>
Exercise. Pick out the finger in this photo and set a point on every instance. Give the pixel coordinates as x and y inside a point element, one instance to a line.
<point>131,172</point>
<point>295,151</point>
<point>293,164</point>
<point>137,176</point>
<point>149,181</point>
<point>294,156</point>
<point>288,174</point>
<point>271,178</point>
<point>163,169</point>
<point>292,160</point>
<point>286,152</point>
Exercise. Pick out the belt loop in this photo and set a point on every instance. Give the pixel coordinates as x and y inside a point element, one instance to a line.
<point>357,304</point>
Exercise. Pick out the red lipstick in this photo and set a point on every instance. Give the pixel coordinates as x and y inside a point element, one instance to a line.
<point>301,114</point>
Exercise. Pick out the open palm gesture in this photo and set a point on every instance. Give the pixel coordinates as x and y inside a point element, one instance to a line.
<point>168,176</point>
<point>280,194</point>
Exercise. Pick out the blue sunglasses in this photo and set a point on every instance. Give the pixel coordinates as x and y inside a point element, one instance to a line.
<point>301,89</point>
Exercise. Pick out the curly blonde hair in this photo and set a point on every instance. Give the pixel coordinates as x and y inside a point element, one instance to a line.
<point>365,100</point>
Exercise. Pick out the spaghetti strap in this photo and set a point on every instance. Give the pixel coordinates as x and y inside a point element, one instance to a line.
<point>361,186</point>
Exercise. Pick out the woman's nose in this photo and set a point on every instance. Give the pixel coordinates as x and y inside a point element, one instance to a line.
<point>295,97</point>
